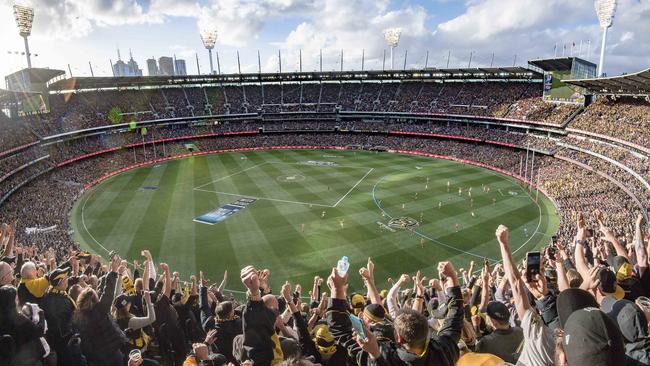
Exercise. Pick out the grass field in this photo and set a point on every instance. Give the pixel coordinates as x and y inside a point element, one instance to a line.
<point>308,215</point>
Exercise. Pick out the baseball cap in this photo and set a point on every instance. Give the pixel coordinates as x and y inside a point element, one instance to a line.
<point>498,311</point>
<point>592,338</point>
<point>374,313</point>
<point>479,359</point>
<point>608,285</point>
<point>357,303</point>
<point>573,299</point>
<point>622,267</point>
<point>630,319</point>
<point>121,301</point>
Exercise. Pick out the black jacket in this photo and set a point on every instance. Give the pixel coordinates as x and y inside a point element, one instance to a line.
<point>308,347</point>
<point>58,308</point>
<point>100,334</point>
<point>259,327</point>
<point>227,330</point>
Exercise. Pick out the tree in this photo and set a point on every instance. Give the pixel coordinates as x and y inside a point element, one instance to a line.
<point>115,115</point>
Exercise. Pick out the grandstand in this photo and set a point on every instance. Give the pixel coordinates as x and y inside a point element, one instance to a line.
<point>119,148</point>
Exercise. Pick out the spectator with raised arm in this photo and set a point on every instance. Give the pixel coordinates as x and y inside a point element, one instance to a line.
<point>539,343</point>
<point>258,323</point>
<point>223,320</point>
<point>101,337</point>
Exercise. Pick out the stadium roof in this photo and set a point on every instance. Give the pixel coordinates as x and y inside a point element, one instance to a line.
<point>503,73</point>
<point>37,75</point>
<point>9,96</point>
<point>631,84</point>
<point>557,63</point>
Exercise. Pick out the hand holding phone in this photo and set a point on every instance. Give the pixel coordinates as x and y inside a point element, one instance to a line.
<point>357,325</point>
<point>533,265</point>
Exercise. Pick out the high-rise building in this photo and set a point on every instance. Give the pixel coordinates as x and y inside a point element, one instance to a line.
<point>180,67</point>
<point>166,66</point>
<point>152,67</point>
<point>121,68</point>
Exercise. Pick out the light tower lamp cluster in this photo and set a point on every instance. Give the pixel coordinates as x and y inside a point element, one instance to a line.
<point>209,38</point>
<point>392,36</point>
<point>605,10</point>
<point>24,18</point>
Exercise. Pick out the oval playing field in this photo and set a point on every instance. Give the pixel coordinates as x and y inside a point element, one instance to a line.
<point>297,212</point>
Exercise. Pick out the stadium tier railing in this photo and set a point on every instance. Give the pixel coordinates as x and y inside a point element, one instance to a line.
<point>632,145</point>
<point>28,164</point>
<point>608,177</point>
<point>609,160</point>
<point>11,151</point>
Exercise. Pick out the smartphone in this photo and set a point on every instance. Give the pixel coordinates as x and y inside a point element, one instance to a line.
<point>357,325</point>
<point>533,265</point>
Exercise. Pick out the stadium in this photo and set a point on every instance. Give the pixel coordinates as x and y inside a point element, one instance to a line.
<point>132,203</point>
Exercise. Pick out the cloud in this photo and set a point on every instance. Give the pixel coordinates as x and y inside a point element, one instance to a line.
<point>77,18</point>
<point>525,28</point>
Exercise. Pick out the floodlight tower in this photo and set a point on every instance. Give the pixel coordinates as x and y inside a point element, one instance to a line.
<point>605,10</point>
<point>209,38</point>
<point>392,36</point>
<point>24,18</point>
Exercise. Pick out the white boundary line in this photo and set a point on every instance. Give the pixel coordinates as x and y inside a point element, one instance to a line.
<point>228,176</point>
<point>264,198</point>
<point>353,187</point>
<point>83,220</point>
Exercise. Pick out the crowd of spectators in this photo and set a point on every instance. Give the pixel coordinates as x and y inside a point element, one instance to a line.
<point>536,109</point>
<point>584,303</point>
<point>625,118</point>
<point>80,110</point>
<point>100,311</point>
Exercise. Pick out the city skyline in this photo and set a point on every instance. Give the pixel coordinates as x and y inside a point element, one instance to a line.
<point>88,32</point>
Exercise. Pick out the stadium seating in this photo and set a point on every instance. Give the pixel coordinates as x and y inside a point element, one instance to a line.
<point>587,160</point>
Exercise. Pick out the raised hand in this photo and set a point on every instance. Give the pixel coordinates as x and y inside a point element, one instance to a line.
<point>502,234</point>
<point>115,263</point>
<point>446,270</point>
<point>202,280</point>
<point>211,337</point>
<point>417,282</point>
<point>368,343</point>
<point>286,292</point>
<point>338,284</point>
<point>538,286</point>
<point>250,279</point>
<point>592,281</point>
<point>145,253</point>
<point>264,280</point>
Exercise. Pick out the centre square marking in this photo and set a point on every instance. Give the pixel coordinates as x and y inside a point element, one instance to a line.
<point>256,179</point>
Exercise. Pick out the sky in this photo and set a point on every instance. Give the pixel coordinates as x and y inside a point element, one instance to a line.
<point>76,32</point>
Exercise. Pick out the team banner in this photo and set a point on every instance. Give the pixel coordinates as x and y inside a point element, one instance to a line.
<point>216,216</point>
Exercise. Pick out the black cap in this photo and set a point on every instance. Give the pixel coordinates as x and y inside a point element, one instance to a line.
<point>121,301</point>
<point>616,262</point>
<point>592,338</point>
<point>498,311</point>
<point>573,299</point>
<point>608,284</point>
<point>375,313</point>
<point>630,319</point>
